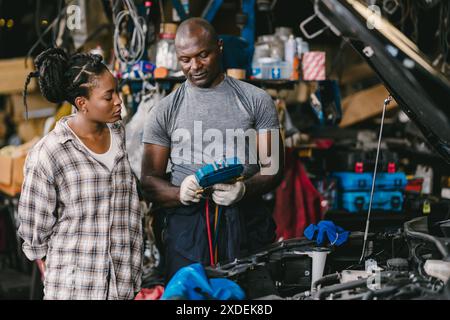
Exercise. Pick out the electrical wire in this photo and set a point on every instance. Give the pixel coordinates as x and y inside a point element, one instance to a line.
<point>270,19</point>
<point>56,27</point>
<point>161,10</point>
<point>38,41</point>
<point>216,231</point>
<point>366,232</point>
<point>274,3</point>
<point>443,33</point>
<point>406,11</point>
<point>337,59</point>
<point>219,211</point>
<point>415,23</point>
<point>36,23</point>
<point>135,50</point>
<point>208,230</point>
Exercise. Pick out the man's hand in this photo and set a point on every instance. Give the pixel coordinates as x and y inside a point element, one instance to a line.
<point>188,189</point>
<point>228,194</point>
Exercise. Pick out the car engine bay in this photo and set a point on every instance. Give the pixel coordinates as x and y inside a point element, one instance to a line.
<point>403,264</point>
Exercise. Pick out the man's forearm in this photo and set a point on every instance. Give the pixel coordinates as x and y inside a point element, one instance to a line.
<point>161,192</point>
<point>259,184</point>
<point>271,157</point>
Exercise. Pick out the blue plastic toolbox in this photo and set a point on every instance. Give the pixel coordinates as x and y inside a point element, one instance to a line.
<point>349,181</point>
<point>391,181</point>
<point>382,201</point>
<point>388,201</point>
<point>354,201</point>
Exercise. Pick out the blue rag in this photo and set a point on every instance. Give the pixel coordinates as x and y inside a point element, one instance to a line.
<point>335,235</point>
<point>191,283</point>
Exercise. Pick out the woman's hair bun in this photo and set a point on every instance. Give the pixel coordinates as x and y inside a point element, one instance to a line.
<point>97,59</point>
<point>52,65</point>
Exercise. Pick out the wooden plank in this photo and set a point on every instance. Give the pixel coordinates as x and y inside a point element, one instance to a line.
<point>13,75</point>
<point>364,105</point>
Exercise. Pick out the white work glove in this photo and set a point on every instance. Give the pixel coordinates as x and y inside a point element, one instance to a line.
<point>228,194</point>
<point>188,189</point>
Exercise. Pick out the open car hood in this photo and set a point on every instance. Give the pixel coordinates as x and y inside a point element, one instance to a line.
<point>421,91</point>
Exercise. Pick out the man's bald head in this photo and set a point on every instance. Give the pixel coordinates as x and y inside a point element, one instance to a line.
<point>194,28</point>
<point>199,52</point>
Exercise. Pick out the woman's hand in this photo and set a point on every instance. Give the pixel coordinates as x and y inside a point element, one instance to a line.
<point>41,265</point>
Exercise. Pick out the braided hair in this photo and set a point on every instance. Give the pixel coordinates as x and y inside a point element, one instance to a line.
<point>62,77</point>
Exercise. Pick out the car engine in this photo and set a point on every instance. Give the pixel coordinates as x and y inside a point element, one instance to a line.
<point>408,263</point>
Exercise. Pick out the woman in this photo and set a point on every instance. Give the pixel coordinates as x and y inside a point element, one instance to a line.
<point>79,207</point>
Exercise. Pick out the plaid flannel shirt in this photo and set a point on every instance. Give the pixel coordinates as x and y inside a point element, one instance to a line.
<point>84,219</point>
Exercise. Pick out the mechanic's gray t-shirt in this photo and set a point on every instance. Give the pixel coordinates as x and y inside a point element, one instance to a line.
<point>202,125</point>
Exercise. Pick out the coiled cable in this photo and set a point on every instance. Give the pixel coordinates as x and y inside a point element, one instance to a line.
<point>135,50</point>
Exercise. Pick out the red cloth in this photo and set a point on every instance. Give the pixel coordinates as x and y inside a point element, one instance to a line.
<point>323,143</point>
<point>298,203</point>
<point>154,293</point>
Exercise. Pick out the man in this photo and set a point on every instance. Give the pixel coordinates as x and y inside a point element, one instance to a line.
<point>194,125</point>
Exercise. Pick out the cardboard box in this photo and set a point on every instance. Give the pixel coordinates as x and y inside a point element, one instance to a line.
<point>28,130</point>
<point>11,172</point>
<point>364,105</point>
<point>14,73</point>
<point>12,161</point>
<point>38,107</point>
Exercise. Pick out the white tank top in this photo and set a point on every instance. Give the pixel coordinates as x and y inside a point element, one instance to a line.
<point>109,156</point>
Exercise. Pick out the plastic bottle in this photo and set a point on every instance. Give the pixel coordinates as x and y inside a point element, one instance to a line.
<point>305,47</point>
<point>299,41</point>
<point>290,50</point>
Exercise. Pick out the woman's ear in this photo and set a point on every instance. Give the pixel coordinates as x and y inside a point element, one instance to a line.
<point>80,103</point>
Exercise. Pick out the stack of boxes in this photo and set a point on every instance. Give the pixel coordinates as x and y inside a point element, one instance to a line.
<point>12,161</point>
<point>354,188</point>
<point>12,157</point>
